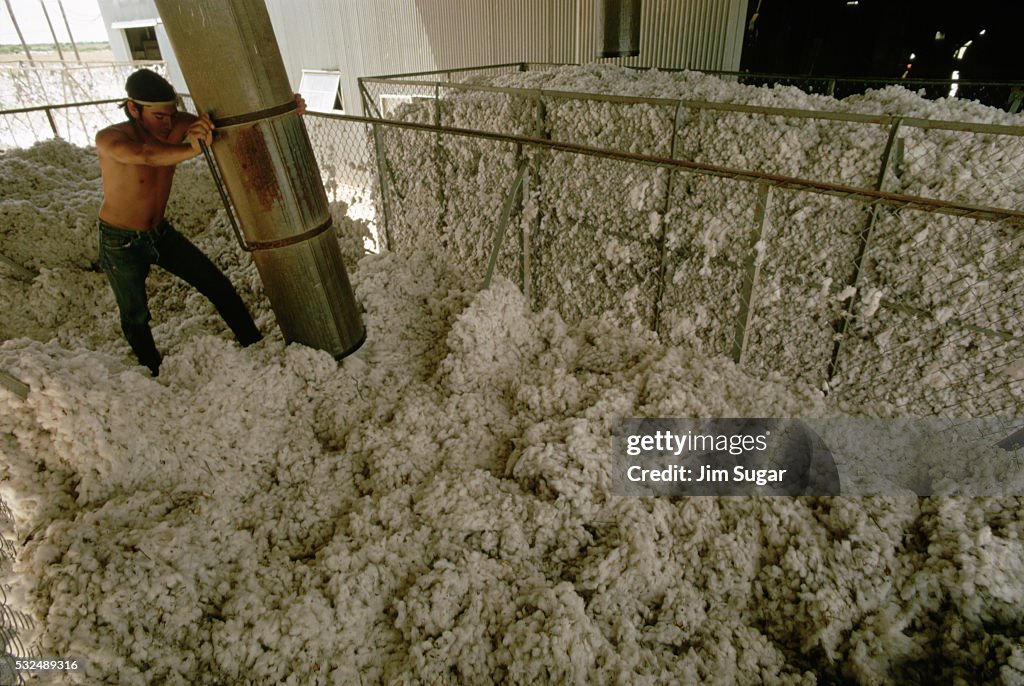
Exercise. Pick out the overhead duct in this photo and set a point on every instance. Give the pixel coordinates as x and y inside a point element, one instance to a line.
<point>618,28</point>
<point>231,62</point>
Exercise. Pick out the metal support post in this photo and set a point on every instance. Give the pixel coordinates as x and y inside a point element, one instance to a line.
<point>526,275</point>
<point>862,250</point>
<point>53,122</point>
<point>14,385</point>
<point>524,236</point>
<point>17,30</point>
<point>382,177</point>
<point>20,273</point>
<point>369,106</point>
<point>751,275</point>
<point>439,194</point>
<point>663,238</point>
<point>56,42</point>
<point>514,196</point>
<point>71,36</point>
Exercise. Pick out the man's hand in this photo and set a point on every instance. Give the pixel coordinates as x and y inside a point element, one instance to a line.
<point>200,131</point>
<point>300,103</point>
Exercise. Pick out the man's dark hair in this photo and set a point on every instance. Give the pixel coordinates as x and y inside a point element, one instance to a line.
<point>147,87</point>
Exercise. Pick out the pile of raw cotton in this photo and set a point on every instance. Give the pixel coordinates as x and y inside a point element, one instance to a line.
<point>434,508</point>
<point>936,309</point>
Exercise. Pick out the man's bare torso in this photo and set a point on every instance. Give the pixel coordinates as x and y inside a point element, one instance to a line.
<point>135,195</point>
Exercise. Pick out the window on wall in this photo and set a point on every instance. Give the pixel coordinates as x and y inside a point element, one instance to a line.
<point>140,35</point>
<point>322,90</point>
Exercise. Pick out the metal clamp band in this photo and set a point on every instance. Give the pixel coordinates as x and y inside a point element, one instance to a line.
<point>290,240</point>
<point>249,117</point>
<point>239,236</point>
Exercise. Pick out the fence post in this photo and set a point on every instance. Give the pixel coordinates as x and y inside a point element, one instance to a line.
<point>378,147</point>
<point>663,238</point>
<point>514,194</point>
<point>369,110</point>
<point>439,194</point>
<point>67,26</point>
<point>20,273</point>
<point>17,30</point>
<point>539,122</point>
<point>843,325</point>
<point>752,273</point>
<point>369,107</point>
<point>53,122</point>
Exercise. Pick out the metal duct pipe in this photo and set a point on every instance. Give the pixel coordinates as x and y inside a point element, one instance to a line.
<point>618,28</point>
<point>234,71</point>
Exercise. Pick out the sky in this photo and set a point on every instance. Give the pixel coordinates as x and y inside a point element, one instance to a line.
<point>83,16</point>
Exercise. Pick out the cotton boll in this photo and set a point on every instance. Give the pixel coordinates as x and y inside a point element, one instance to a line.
<point>846,293</point>
<point>870,303</point>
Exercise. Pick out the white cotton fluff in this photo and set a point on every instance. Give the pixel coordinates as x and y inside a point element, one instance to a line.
<point>436,507</point>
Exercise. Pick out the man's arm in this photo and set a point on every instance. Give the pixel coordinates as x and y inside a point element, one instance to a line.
<point>120,147</point>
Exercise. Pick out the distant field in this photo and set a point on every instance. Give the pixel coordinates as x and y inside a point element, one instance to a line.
<point>46,52</point>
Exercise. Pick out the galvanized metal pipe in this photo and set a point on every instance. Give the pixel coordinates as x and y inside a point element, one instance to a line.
<point>56,41</point>
<point>17,29</point>
<point>233,67</point>
<point>71,36</point>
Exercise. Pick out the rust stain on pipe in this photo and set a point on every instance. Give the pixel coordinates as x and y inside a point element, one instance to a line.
<point>250,149</point>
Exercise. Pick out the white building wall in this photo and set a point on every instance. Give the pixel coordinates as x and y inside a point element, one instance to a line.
<point>354,38</point>
<point>374,37</point>
<point>116,11</point>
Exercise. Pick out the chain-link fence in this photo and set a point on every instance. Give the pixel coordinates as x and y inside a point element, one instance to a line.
<point>76,123</point>
<point>43,100</point>
<point>46,83</point>
<point>871,255</point>
<point>14,625</point>
<point>1006,95</point>
<point>344,154</point>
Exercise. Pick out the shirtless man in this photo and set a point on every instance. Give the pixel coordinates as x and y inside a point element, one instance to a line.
<point>137,159</point>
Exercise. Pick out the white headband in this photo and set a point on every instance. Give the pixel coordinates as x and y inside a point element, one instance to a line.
<point>153,102</point>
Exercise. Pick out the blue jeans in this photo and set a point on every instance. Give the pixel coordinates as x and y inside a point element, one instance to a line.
<point>126,256</point>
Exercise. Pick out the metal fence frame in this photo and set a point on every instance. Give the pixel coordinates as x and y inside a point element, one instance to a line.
<point>374,161</point>
<point>436,85</point>
<point>1010,93</point>
<point>49,110</point>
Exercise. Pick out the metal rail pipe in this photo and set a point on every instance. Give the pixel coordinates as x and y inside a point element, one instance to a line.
<point>861,194</point>
<point>230,59</point>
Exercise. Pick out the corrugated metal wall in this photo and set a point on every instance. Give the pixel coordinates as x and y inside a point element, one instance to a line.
<point>374,37</point>
<point>675,34</point>
<point>355,38</point>
<point>469,32</point>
